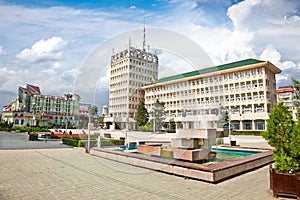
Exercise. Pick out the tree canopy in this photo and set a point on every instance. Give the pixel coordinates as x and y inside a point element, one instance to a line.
<point>157,115</point>
<point>94,110</point>
<point>283,133</point>
<point>142,115</point>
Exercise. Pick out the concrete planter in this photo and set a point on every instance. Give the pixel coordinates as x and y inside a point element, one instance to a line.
<point>284,184</point>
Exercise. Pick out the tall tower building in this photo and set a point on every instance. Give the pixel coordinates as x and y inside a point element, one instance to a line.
<point>130,70</point>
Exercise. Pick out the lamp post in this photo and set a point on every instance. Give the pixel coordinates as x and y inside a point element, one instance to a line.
<point>89,136</point>
<point>24,106</point>
<point>68,96</point>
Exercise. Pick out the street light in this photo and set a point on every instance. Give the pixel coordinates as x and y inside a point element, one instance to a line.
<point>89,136</point>
<point>24,106</point>
<point>68,96</point>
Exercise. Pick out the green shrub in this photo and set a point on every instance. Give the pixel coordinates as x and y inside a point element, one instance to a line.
<point>79,142</point>
<point>283,133</point>
<point>250,132</point>
<point>70,141</point>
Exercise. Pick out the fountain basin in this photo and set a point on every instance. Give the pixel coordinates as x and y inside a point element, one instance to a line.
<point>211,172</point>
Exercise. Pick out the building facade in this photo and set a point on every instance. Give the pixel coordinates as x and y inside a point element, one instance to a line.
<point>32,108</point>
<point>245,89</point>
<point>130,70</point>
<point>286,94</point>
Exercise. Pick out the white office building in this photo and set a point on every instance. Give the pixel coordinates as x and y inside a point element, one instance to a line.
<point>246,89</point>
<point>130,70</point>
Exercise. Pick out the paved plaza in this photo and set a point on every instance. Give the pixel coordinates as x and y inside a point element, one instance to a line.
<point>70,173</point>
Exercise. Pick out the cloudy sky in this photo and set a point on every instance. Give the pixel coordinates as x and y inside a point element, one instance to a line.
<point>45,43</point>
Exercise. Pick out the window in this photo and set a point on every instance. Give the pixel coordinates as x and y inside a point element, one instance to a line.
<point>221,99</point>
<point>243,85</point>
<point>216,89</point>
<point>248,73</point>
<point>254,84</point>
<point>255,95</point>
<point>236,75</point>
<point>259,109</point>
<point>249,96</point>
<point>226,77</point>
<point>247,109</point>
<point>247,125</point>
<point>236,110</point>
<point>227,98</point>
<point>241,74</point>
<point>221,88</point>
<point>217,99</point>
<point>226,87</point>
<point>260,125</point>
<point>237,87</point>
<point>243,97</point>
<point>248,84</point>
<point>261,95</point>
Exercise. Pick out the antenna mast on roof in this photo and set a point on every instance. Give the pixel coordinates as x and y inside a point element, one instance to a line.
<point>144,40</point>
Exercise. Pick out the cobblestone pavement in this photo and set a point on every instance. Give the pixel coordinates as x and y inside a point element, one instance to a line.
<point>73,174</point>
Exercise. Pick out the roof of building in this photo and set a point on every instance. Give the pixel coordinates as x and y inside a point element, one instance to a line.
<point>210,70</point>
<point>35,88</point>
<point>283,89</point>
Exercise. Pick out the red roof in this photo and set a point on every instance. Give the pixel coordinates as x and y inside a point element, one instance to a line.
<point>283,89</point>
<point>35,88</point>
<point>26,90</point>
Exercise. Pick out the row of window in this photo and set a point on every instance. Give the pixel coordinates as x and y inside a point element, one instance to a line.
<point>214,99</point>
<point>257,108</point>
<point>217,88</point>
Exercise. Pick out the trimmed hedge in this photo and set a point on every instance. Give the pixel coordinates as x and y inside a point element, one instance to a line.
<point>80,142</point>
<point>256,133</point>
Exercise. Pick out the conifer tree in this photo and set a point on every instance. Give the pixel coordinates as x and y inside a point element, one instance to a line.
<point>157,115</point>
<point>142,115</point>
<point>283,133</point>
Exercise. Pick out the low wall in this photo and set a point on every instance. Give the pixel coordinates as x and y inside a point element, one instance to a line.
<point>211,173</point>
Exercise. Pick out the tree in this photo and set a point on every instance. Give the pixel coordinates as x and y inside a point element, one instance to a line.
<point>223,121</point>
<point>296,84</point>
<point>283,133</point>
<point>94,110</point>
<point>142,115</point>
<point>157,115</point>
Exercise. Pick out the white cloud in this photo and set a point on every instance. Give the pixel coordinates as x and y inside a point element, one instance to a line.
<point>57,65</point>
<point>2,52</point>
<point>289,68</point>
<point>43,50</point>
<point>254,28</point>
<point>271,54</point>
<point>9,79</point>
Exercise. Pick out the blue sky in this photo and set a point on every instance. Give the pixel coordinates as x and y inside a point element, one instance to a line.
<point>45,42</point>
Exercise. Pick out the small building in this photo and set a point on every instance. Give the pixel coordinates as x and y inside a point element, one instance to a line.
<point>32,108</point>
<point>286,94</point>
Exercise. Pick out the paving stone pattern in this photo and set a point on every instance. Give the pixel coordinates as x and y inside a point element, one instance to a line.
<point>70,173</point>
